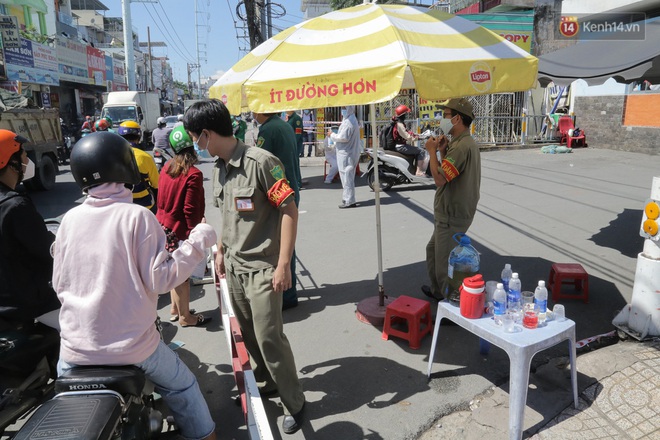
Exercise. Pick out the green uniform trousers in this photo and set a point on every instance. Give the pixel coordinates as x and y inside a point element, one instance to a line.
<point>437,253</point>
<point>258,310</point>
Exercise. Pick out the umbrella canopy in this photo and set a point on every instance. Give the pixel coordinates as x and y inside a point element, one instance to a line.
<point>367,54</point>
<point>596,61</point>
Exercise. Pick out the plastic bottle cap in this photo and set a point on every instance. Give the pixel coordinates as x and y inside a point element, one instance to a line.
<point>507,266</point>
<point>500,286</point>
<point>514,275</point>
<point>541,283</point>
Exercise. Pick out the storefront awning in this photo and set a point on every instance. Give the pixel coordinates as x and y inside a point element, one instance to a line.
<point>596,61</point>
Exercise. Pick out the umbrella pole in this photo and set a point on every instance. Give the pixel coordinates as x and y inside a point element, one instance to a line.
<point>372,310</point>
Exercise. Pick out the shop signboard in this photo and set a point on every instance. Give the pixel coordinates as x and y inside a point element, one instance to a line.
<point>72,61</point>
<point>96,66</point>
<point>109,72</point>
<point>119,74</point>
<point>33,63</point>
<point>9,31</point>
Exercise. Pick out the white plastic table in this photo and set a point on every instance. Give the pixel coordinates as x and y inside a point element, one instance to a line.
<point>520,346</point>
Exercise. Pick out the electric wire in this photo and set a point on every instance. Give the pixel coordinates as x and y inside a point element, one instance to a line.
<point>172,26</point>
<point>172,43</point>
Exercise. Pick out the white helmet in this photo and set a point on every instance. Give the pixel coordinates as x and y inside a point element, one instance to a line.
<point>179,118</point>
<point>160,121</point>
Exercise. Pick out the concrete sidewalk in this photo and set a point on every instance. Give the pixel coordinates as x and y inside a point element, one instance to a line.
<point>622,401</point>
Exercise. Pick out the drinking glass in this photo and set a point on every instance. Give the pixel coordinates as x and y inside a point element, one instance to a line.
<point>530,316</point>
<point>508,321</point>
<point>559,312</point>
<point>527,298</point>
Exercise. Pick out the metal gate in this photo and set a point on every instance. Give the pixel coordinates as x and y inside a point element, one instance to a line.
<point>498,118</point>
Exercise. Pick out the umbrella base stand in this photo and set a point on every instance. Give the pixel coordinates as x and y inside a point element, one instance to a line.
<point>370,312</point>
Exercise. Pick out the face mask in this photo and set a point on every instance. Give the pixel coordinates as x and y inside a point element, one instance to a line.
<point>446,125</point>
<point>344,113</point>
<point>238,118</point>
<point>202,153</point>
<point>29,170</point>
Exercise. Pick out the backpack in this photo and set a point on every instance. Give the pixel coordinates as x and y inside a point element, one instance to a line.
<point>386,138</point>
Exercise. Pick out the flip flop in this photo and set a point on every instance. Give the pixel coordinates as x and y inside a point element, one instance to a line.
<point>175,318</point>
<point>201,320</point>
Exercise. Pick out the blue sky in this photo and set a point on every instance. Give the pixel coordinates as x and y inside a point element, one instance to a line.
<point>173,22</point>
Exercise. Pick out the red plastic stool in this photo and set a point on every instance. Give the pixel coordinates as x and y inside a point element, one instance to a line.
<point>569,273</point>
<point>417,314</point>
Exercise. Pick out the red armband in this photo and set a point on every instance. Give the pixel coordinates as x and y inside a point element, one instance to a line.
<point>279,192</point>
<point>449,169</point>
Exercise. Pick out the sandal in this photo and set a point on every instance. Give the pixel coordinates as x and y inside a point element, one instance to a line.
<point>201,320</point>
<point>175,318</point>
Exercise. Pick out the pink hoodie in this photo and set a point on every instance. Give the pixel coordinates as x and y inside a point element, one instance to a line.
<point>110,265</point>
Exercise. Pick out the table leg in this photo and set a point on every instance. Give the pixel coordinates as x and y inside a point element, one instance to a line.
<point>518,384</point>
<point>436,329</point>
<point>571,351</point>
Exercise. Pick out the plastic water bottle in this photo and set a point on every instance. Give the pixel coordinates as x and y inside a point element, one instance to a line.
<point>513,296</point>
<point>463,263</point>
<point>506,276</point>
<point>541,299</point>
<point>499,303</point>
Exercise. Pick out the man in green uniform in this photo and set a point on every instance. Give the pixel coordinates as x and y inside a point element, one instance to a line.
<point>277,137</point>
<point>259,224</point>
<point>295,121</point>
<point>458,178</point>
<point>240,128</point>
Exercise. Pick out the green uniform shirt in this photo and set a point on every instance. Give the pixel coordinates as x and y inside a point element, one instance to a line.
<point>295,121</point>
<point>456,201</point>
<point>250,190</point>
<point>277,137</point>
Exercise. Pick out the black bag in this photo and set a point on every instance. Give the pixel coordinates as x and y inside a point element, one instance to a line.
<point>386,138</point>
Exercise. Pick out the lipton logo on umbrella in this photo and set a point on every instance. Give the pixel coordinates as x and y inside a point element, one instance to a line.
<point>481,76</point>
<point>223,98</point>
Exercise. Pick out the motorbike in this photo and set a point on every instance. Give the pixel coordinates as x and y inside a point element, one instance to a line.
<point>97,403</point>
<point>395,168</point>
<point>23,385</point>
<point>64,150</point>
<point>161,156</point>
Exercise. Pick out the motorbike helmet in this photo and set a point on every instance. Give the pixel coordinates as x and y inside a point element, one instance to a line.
<point>180,140</point>
<point>160,121</point>
<point>101,125</point>
<point>179,117</point>
<point>130,129</point>
<point>401,110</point>
<point>109,120</point>
<point>103,157</point>
<point>10,143</point>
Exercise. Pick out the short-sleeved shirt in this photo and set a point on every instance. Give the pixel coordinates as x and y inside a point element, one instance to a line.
<point>277,137</point>
<point>251,190</point>
<point>456,201</point>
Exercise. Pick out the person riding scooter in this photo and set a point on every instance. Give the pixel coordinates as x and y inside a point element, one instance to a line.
<point>404,140</point>
<point>145,192</point>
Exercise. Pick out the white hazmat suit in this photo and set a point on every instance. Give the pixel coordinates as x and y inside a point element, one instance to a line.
<point>348,147</point>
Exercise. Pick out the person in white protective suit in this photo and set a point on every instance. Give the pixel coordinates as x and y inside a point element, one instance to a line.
<point>348,146</point>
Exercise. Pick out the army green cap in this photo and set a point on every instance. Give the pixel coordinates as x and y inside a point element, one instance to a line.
<point>180,140</point>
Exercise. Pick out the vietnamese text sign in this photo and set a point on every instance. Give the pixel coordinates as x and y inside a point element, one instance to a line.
<point>72,61</point>
<point>9,31</point>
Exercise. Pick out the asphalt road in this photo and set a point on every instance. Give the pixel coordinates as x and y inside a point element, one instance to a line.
<point>535,209</point>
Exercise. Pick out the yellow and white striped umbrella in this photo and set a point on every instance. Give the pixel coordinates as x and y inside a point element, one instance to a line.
<point>367,54</point>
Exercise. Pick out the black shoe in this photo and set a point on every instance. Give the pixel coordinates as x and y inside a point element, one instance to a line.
<point>426,290</point>
<point>266,394</point>
<point>346,205</point>
<point>293,423</point>
<point>289,304</point>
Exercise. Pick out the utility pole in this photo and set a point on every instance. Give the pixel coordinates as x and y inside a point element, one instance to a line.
<point>190,68</point>
<point>128,43</point>
<point>151,69</point>
<point>199,70</point>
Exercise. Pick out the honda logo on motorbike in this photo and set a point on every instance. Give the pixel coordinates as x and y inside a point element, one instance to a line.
<point>86,387</point>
